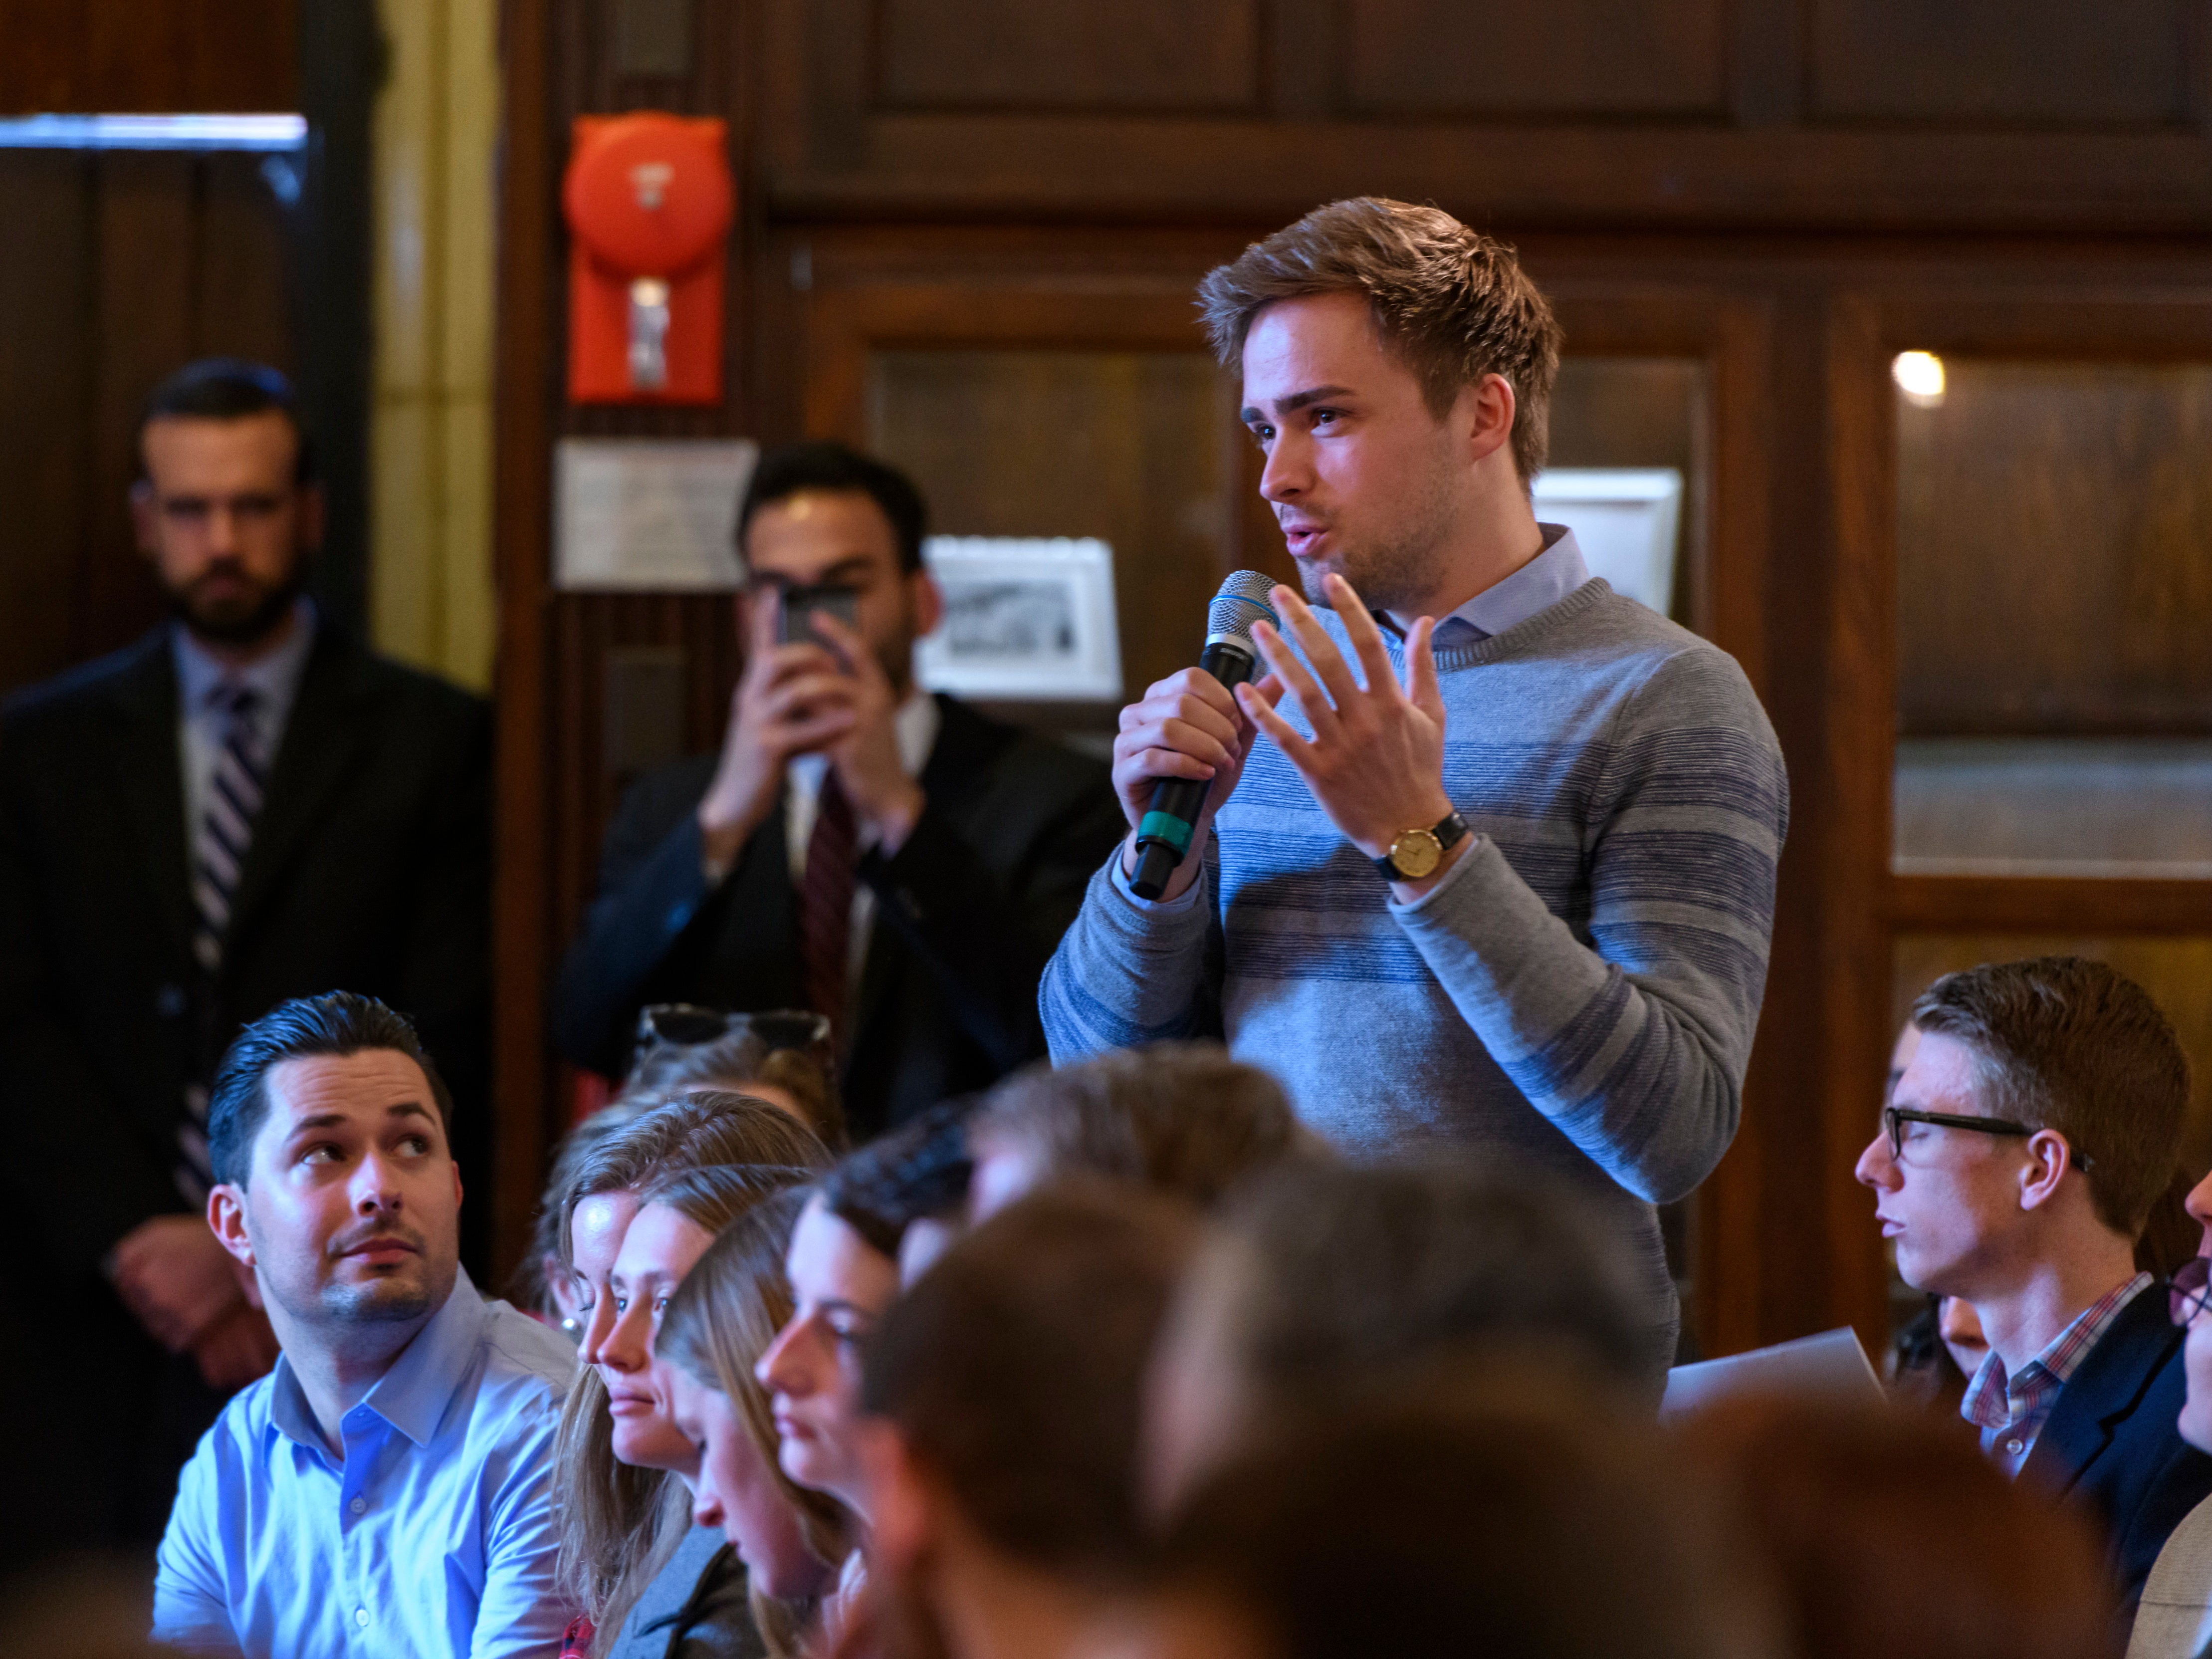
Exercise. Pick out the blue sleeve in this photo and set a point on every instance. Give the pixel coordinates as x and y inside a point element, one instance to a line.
<point>192,1611</point>
<point>520,1614</point>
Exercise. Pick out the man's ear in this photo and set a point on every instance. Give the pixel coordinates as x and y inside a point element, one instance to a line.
<point>2049,1159</point>
<point>1490,405</point>
<point>926,601</point>
<point>900,1508</point>
<point>226,1216</point>
<point>144,509</point>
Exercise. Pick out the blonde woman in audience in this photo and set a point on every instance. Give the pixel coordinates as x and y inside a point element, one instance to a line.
<point>719,1323</point>
<point>624,1514</point>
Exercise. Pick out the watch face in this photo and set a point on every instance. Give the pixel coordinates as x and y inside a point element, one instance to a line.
<point>1415,854</point>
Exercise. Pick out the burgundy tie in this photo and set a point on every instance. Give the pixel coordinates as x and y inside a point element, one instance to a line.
<point>825,902</point>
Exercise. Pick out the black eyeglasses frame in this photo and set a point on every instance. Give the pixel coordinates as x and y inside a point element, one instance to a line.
<point>1894,1118</point>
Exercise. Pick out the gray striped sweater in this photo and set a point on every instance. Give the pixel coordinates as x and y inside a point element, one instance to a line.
<point>1577,996</point>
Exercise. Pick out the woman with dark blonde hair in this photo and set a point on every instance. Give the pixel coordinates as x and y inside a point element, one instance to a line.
<point>719,1323</point>
<point>642,1208</point>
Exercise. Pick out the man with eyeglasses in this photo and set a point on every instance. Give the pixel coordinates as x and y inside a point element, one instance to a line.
<point>2018,1158</point>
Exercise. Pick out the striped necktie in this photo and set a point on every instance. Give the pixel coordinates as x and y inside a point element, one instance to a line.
<point>825,902</point>
<point>225,830</point>
<point>226,826</point>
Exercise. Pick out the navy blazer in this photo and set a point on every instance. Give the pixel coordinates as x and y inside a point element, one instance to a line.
<point>2112,1440</point>
<point>969,912</point>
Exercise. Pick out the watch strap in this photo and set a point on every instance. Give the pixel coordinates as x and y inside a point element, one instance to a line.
<point>1449,832</point>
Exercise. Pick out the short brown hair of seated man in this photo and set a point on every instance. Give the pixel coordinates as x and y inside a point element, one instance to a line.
<point>1179,1117</point>
<point>2036,1124</point>
<point>1320,1279</point>
<point>1466,1513</point>
<point>1887,1534</point>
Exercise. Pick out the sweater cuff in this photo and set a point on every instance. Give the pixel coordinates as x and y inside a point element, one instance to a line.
<point>1186,900</point>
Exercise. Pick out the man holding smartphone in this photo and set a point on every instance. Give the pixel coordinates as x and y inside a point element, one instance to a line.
<point>892,859</point>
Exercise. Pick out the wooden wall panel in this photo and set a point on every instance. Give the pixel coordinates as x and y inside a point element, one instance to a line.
<point>1601,58</point>
<point>1136,55</point>
<point>2053,63</point>
<point>142,261</point>
<point>94,56</point>
<point>2055,550</point>
<point>45,467</point>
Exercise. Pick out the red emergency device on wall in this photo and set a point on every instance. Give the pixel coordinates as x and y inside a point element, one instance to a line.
<point>649,199</point>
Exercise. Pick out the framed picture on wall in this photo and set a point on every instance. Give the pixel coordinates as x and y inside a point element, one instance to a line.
<point>1026,618</point>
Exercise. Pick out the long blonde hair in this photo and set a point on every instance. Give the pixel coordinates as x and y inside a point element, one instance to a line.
<point>719,1321</point>
<point>711,1158</point>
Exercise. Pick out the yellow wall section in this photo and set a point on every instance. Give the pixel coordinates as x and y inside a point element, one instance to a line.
<point>430,450</point>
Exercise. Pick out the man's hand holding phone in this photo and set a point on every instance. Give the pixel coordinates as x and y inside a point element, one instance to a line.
<point>811,685</point>
<point>793,699</point>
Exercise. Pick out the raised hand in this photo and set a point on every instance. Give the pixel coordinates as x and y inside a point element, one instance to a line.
<point>791,700</point>
<point>869,766</point>
<point>1375,761</point>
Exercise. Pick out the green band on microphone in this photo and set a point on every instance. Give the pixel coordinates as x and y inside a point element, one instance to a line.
<point>1167,827</point>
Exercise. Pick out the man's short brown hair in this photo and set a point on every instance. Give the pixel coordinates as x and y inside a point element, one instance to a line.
<point>1454,304</point>
<point>2066,1044</point>
<point>1178,1117</point>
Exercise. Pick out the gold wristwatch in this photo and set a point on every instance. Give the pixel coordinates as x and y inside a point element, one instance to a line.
<point>1415,854</point>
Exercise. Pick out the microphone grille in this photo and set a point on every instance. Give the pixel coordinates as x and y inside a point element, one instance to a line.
<point>1242,601</point>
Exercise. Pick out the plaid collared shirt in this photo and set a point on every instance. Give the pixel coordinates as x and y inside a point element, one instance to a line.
<point>2011,1411</point>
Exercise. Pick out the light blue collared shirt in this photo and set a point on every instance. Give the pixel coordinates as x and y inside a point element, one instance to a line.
<point>1536,585</point>
<point>433,1537</point>
<point>200,726</point>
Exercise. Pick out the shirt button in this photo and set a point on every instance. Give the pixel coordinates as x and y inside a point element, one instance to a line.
<point>361,1617</point>
<point>358,1504</point>
<point>2012,1446</point>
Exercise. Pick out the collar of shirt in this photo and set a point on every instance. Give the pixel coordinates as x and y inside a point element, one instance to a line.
<point>914,725</point>
<point>415,1389</point>
<point>1557,571</point>
<point>276,676</point>
<point>1994,1401</point>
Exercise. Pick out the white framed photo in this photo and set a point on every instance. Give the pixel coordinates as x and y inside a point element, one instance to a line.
<point>1624,520</point>
<point>1026,619</point>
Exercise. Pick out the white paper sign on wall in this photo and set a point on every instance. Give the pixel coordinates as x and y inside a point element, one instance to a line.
<point>648,514</point>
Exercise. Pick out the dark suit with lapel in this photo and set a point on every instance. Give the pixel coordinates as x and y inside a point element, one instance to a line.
<point>2111,1441</point>
<point>967,915</point>
<point>367,870</point>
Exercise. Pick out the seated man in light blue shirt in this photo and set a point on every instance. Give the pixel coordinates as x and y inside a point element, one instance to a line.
<point>388,1488</point>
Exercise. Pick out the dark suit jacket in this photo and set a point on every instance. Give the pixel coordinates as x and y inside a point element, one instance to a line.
<point>368,870</point>
<point>968,914</point>
<point>2111,1440</point>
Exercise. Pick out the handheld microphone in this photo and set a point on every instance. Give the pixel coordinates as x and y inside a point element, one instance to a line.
<point>1163,833</point>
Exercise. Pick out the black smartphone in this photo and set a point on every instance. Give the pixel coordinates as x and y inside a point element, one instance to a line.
<point>794,623</point>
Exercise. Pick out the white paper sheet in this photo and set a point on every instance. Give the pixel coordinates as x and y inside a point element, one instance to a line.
<point>1831,1364</point>
<point>648,514</point>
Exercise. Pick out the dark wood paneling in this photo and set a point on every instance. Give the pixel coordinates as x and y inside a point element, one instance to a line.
<point>1150,55</point>
<point>2052,62</point>
<point>2056,552</point>
<point>1973,903</point>
<point>45,410</point>
<point>1602,57</point>
<point>140,263</point>
<point>149,56</point>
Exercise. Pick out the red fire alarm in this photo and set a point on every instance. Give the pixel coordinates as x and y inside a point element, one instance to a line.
<point>649,199</point>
